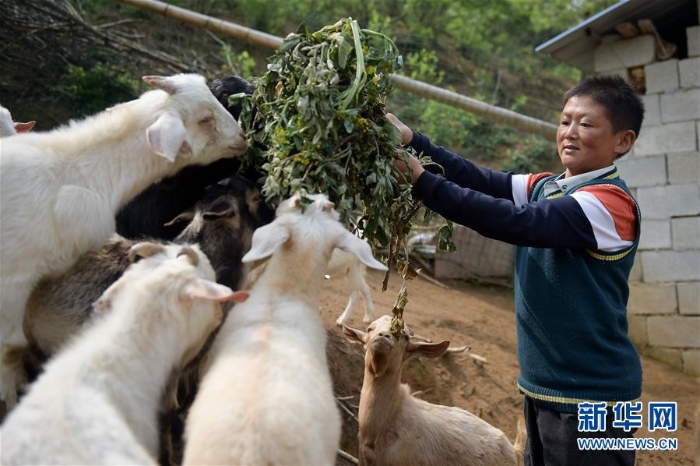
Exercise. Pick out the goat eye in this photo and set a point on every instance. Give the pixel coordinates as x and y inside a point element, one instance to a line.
<point>206,120</point>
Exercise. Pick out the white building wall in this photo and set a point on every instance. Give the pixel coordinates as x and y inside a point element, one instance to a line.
<point>663,170</point>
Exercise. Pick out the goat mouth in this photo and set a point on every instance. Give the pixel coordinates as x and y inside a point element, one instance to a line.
<point>239,146</point>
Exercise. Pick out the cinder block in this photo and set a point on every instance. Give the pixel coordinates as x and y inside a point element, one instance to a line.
<point>652,299</point>
<point>656,234</point>
<point>643,171</point>
<point>680,106</point>
<point>691,362</point>
<point>662,76</point>
<point>668,138</point>
<point>670,266</point>
<point>693,35</point>
<point>624,54</point>
<point>669,201</point>
<point>689,71</point>
<point>672,357</point>
<point>637,331</point>
<point>674,331</point>
<point>688,297</point>
<point>684,168</point>
<point>686,233</point>
<point>652,110</point>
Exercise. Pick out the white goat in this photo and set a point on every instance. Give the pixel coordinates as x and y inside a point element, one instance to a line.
<point>60,190</point>
<point>267,396</point>
<point>397,428</point>
<point>97,401</point>
<point>343,263</point>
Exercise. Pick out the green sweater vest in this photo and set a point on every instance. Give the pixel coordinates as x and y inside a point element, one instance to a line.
<point>571,315</point>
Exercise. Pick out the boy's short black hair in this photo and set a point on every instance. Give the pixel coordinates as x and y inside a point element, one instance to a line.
<point>623,105</point>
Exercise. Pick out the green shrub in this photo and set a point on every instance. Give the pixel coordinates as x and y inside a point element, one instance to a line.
<point>88,91</point>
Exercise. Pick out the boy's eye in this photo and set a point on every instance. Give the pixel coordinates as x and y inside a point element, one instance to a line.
<point>564,123</point>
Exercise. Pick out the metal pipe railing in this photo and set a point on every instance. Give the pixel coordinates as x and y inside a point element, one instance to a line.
<point>488,112</point>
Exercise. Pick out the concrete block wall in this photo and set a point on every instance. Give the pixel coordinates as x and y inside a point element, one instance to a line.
<point>663,170</point>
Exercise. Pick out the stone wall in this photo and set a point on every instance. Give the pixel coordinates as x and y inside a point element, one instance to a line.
<point>663,170</point>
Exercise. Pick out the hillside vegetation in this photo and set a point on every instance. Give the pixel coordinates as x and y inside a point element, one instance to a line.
<point>68,58</point>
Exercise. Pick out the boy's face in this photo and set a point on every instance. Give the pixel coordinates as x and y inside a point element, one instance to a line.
<point>585,137</point>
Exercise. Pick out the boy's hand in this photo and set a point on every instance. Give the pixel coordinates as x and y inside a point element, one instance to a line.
<point>415,164</point>
<point>406,133</point>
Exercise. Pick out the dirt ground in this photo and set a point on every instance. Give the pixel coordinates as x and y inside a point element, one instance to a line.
<point>482,318</point>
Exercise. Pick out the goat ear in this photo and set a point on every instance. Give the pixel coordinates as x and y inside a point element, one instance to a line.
<point>168,136</point>
<point>427,350</point>
<point>24,127</point>
<point>361,249</point>
<point>266,240</point>
<point>144,249</point>
<point>161,82</point>
<point>186,216</point>
<point>220,209</point>
<point>354,335</point>
<point>210,291</point>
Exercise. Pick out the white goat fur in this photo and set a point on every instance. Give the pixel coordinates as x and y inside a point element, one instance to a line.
<point>267,396</point>
<point>60,190</point>
<point>342,264</point>
<point>397,428</point>
<point>97,401</point>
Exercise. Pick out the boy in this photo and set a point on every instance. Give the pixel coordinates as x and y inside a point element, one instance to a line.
<point>577,234</point>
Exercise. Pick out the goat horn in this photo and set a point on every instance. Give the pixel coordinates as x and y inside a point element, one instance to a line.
<point>161,82</point>
<point>421,338</point>
<point>459,349</point>
<point>191,255</point>
<point>144,249</point>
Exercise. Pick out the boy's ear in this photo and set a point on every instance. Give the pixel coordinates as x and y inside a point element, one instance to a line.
<point>626,141</point>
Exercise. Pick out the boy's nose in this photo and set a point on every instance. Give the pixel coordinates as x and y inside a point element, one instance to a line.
<point>571,132</point>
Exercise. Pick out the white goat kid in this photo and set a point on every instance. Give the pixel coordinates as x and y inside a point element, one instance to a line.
<point>343,263</point>
<point>60,190</point>
<point>397,428</point>
<point>267,396</point>
<point>97,401</point>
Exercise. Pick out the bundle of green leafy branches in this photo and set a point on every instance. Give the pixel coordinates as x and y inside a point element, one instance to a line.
<point>319,114</point>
